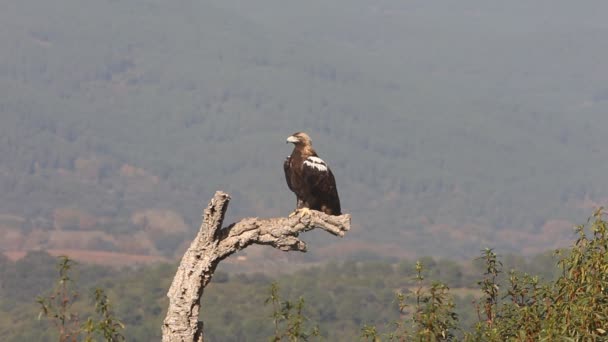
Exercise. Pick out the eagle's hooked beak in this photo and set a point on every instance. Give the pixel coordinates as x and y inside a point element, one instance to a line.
<point>293,140</point>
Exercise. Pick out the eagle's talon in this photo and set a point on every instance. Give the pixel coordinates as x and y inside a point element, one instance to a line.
<point>304,211</point>
<point>300,212</point>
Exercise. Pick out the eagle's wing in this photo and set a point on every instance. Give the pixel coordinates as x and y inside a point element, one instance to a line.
<point>321,183</point>
<point>286,168</point>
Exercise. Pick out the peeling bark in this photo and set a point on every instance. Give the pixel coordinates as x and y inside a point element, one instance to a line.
<point>214,243</point>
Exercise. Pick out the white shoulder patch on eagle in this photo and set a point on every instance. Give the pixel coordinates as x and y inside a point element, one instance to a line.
<point>316,163</point>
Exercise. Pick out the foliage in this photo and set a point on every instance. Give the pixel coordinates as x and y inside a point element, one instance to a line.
<point>432,318</point>
<point>489,287</point>
<point>107,325</point>
<point>58,308</point>
<point>521,307</point>
<point>57,305</point>
<point>574,307</point>
<point>289,320</point>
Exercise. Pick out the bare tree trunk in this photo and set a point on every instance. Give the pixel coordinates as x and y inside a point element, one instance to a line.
<point>213,244</point>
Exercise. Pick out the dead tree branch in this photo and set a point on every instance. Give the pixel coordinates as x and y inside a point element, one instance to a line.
<point>213,244</point>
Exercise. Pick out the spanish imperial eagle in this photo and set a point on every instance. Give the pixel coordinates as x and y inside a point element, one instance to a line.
<point>310,178</point>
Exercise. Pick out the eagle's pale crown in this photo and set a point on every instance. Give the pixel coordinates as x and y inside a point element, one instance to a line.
<point>299,138</point>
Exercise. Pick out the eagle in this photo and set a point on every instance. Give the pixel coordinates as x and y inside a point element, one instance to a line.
<point>309,177</point>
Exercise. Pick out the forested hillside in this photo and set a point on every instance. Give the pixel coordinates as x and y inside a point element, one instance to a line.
<point>449,127</point>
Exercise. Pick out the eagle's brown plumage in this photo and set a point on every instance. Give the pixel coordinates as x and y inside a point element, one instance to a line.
<point>309,177</point>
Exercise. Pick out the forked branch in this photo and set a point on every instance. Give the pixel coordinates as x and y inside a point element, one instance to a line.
<point>214,243</point>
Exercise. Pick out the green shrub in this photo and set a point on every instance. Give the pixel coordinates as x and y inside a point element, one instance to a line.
<point>574,307</point>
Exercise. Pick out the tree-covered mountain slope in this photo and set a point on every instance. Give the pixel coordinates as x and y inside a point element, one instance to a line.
<point>449,127</point>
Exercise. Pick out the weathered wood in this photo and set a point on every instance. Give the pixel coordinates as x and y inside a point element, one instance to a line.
<point>213,244</point>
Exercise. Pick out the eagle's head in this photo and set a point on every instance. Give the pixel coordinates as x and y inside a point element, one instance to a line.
<point>300,139</point>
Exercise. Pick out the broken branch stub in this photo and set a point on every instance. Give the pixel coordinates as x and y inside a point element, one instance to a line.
<point>212,244</point>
